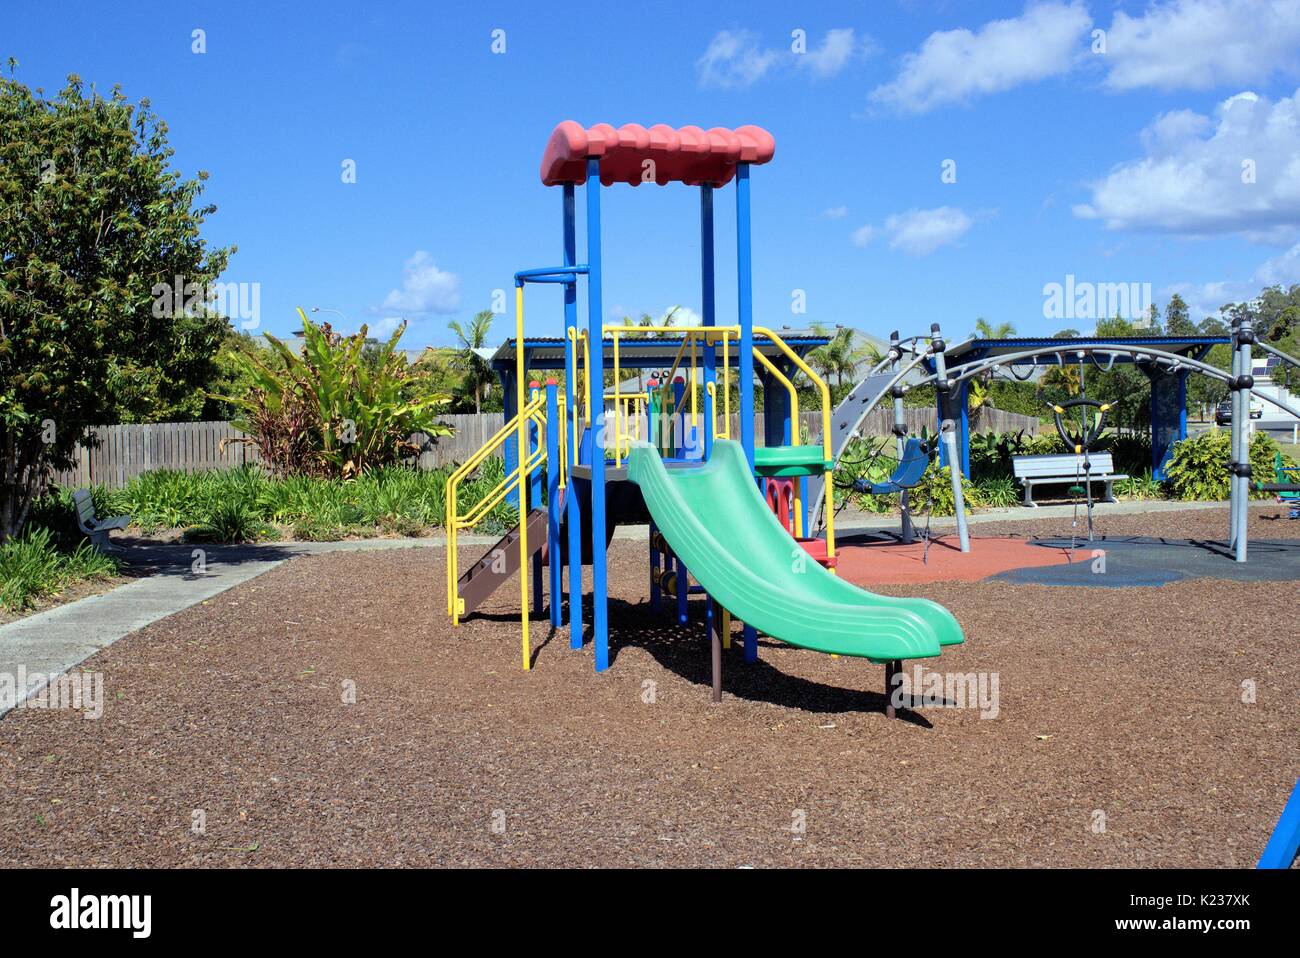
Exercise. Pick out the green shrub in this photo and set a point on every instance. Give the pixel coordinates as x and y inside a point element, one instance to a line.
<point>990,453</point>
<point>1140,485</point>
<point>1131,453</point>
<point>1045,444</point>
<point>935,488</point>
<point>231,521</point>
<point>1198,467</point>
<point>32,567</point>
<point>995,492</point>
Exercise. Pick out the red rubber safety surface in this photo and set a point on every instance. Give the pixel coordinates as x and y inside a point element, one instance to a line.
<point>890,563</point>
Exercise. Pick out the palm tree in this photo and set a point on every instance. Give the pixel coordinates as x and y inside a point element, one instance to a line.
<point>841,356</point>
<point>476,372</point>
<point>648,322</point>
<point>985,330</point>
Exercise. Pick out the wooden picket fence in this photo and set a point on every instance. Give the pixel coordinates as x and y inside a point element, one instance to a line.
<point>126,451</point>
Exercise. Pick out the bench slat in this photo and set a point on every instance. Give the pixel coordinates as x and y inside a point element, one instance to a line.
<point>1067,465</point>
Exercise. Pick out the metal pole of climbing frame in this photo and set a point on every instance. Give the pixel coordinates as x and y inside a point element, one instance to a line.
<point>745,318</point>
<point>574,423</point>
<point>900,441</point>
<point>521,478</point>
<point>596,397</point>
<point>1241,427</point>
<point>1235,421</point>
<point>710,316</point>
<point>554,436</point>
<point>948,433</point>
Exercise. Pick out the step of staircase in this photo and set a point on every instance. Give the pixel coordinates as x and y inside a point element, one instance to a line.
<point>499,563</point>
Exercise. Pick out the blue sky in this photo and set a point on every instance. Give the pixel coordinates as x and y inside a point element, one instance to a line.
<point>1125,164</point>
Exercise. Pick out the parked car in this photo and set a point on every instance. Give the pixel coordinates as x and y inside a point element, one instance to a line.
<point>1223,412</point>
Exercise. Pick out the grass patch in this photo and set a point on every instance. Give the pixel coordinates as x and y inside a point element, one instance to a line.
<point>32,567</point>
<point>244,504</point>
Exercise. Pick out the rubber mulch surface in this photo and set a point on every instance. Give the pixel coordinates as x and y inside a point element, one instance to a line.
<point>1147,727</point>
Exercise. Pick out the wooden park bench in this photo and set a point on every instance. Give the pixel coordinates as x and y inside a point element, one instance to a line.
<point>1065,468</point>
<point>96,530</point>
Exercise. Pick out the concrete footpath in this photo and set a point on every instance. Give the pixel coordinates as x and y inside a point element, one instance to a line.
<point>48,644</point>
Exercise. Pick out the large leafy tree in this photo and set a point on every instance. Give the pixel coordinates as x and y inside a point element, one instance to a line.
<point>93,219</point>
<point>1178,321</point>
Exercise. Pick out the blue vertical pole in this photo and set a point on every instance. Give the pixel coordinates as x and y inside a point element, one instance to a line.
<point>707,304</point>
<point>534,502</point>
<point>745,317</point>
<point>596,397</point>
<point>654,567</point>
<point>534,439</point>
<point>683,589</point>
<point>512,442</point>
<point>554,436</point>
<point>572,506</point>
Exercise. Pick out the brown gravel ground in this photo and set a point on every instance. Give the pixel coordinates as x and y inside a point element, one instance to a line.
<point>1126,703</point>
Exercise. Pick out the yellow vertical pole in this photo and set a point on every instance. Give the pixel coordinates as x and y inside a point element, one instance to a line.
<point>695,412</point>
<point>618,407</point>
<point>521,439</point>
<point>726,383</point>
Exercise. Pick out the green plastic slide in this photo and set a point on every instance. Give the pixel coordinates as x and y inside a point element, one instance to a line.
<point>717,522</point>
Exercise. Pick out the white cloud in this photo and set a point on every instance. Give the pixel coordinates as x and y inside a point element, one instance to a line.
<point>1201,44</point>
<point>1193,179</point>
<point>863,235</point>
<point>383,328</point>
<point>736,59</point>
<point>957,65</point>
<point>836,213</point>
<point>425,288</point>
<point>1205,299</point>
<point>832,55</point>
<point>682,316</point>
<point>918,232</point>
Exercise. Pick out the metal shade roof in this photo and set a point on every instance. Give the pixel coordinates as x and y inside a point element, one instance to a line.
<point>638,352</point>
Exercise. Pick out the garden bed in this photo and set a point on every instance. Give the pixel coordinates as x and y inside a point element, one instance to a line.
<point>1125,702</point>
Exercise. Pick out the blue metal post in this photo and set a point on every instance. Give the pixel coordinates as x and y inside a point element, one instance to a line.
<point>745,318</point>
<point>512,444</point>
<point>654,567</point>
<point>707,304</point>
<point>683,589</point>
<point>572,507</point>
<point>534,440</point>
<point>596,397</point>
<point>554,436</point>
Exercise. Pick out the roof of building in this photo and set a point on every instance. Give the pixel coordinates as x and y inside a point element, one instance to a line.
<point>638,352</point>
<point>687,155</point>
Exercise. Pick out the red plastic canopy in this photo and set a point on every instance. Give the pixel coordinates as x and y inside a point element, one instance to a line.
<point>689,155</point>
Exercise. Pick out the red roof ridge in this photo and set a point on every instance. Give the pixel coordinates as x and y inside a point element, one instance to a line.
<point>687,155</point>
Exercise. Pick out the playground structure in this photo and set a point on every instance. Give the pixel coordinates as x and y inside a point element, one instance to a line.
<point>745,549</point>
<point>920,361</point>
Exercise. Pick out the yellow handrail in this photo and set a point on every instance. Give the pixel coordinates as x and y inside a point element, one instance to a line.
<point>789,388</point>
<point>533,412</point>
<point>829,463</point>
